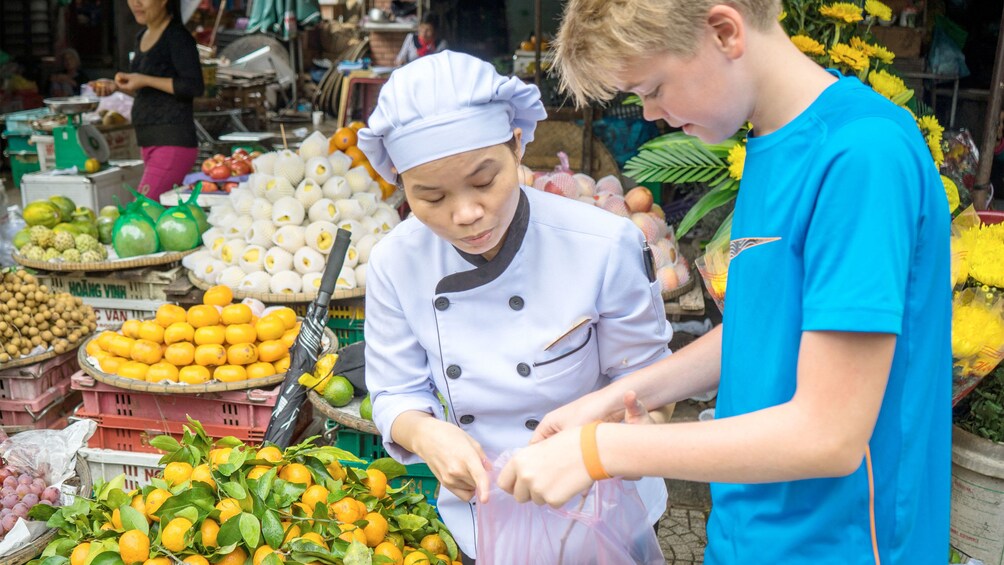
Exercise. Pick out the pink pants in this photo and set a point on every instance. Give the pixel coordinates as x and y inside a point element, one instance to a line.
<point>164,167</point>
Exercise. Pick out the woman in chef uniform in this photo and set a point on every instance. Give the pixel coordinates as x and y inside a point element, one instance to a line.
<point>507,301</point>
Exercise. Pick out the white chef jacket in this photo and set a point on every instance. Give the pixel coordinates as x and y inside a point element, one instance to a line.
<point>478,331</point>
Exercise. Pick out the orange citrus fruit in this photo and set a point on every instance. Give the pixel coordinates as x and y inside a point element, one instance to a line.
<point>154,500</point>
<point>240,333</point>
<point>391,551</point>
<point>230,373</point>
<point>433,544</point>
<point>357,125</point>
<point>351,532</point>
<point>202,315</point>
<point>297,473</point>
<point>195,560</point>
<point>139,505</point>
<point>172,536</point>
<point>270,453</point>
<point>169,314</point>
<point>260,370</point>
<point>228,507</point>
<point>287,315</point>
<point>180,354</point>
<point>219,456</point>
<point>210,354</point>
<point>270,327</point>
<point>376,481</point>
<point>151,331</point>
<point>210,530</point>
<point>194,375</point>
<point>178,332</point>
<point>316,538</point>
<point>240,354</point>
<point>236,557</point>
<point>313,495</point>
<point>208,335</point>
<point>79,554</point>
<point>257,471</point>
<point>218,295</point>
<point>282,365</point>
<point>376,528</point>
<point>336,471</point>
<point>289,338</point>
<point>416,558</point>
<point>292,531</point>
<point>202,474</point>
<point>345,137</point>
<point>357,156</point>
<point>236,314</point>
<point>346,510</point>
<point>157,561</point>
<point>262,552</point>
<point>134,547</point>
<point>177,472</point>
<point>272,350</point>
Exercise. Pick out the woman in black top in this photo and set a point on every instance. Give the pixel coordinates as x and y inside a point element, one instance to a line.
<point>165,77</point>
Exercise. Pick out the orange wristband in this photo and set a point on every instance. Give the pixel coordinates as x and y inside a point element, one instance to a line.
<point>591,454</point>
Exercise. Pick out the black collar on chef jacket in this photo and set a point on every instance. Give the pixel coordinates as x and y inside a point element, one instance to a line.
<point>486,271</point>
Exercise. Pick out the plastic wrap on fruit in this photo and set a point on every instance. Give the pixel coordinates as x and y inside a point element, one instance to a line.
<point>178,230</point>
<point>134,234</point>
<point>151,208</point>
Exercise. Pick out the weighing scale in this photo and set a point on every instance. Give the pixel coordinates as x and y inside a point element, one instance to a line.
<point>76,142</point>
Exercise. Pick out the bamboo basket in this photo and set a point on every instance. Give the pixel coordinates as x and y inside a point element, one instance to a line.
<point>163,258</point>
<point>271,298</point>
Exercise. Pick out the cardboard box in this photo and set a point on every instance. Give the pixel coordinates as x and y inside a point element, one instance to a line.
<point>903,41</point>
<point>144,284</point>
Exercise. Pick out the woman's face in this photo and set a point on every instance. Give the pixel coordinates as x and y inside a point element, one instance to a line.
<point>146,11</point>
<point>468,199</point>
<point>426,33</point>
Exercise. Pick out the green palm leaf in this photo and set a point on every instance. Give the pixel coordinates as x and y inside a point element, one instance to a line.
<point>679,158</point>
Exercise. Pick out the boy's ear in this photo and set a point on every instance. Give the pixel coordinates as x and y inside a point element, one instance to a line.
<point>729,29</point>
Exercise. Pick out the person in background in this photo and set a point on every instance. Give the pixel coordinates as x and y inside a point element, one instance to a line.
<point>165,76</point>
<point>425,42</point>
<point>831,441</point>
<point>67,81</point>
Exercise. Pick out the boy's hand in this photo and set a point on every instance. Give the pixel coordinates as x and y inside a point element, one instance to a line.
<point>455,458</point>
<point>634,412</point>
<point>550,472</point>
<point>593,406</point>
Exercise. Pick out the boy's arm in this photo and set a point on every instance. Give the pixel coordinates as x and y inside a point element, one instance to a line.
<point>823,431</point>
<point>692,370</point>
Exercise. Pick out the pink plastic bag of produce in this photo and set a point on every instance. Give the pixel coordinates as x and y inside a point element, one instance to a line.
<point>607,526</point>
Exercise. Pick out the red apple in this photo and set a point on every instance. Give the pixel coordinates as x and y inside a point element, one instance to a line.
<point>207,165</point>
<point>228,186</point>
<point>240,168</point>
<point>209,186</point>
<point>240,153</point>
<point>219,172</point>
<point>220,157</point>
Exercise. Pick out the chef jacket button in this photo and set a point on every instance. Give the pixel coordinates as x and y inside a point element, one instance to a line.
<point>531,424</point>
<point>453,371</point>
<point>523,369</point>
<point>467,419</point>
<point>442,303</point>
<point>516,303</point>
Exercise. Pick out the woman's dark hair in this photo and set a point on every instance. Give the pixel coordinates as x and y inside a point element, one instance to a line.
<point>174,10</point>
<point>430,19</point>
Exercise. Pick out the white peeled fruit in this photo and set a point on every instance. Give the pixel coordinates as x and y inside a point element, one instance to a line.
<point>260,233</point>
<point>387,217</point>
<point>259,183</point>
<point>346,279</point>
<point>351,257</point>
<point>340,163</point>
<point>238,227</point>
<point>278,259</point>
<point>278,188</point>
<point>368,201</point>
<point>361,275</point>
<point>311,283</point>
<point>359,179</point>
<point>365,245</point>
<point>289,238</point>
<point>255,282</point>
<point>370,226</point>
<point>288,211</point>
<point>318,169</point>
<point>215,245</point>
<point>285,282</point>
<point>349,209</point>
<point>336,188</point>
<point>231,276</point>
<point>307,260</point>
<point>290,166</point>
<point>253,258</point>
<point>189,261</point>
<point>308,192</point>
<point>209,270</point>
<point>265,163</point>
<point>232,250</point>
<point>324,210</point>
<point>352,226</point>
<point>320,236</point>
<point>261,209</point>
<point>208,237</point>
<point>375,190</point>
<point>315,145</point>
<point>257,306</point>
<point>242,200</point>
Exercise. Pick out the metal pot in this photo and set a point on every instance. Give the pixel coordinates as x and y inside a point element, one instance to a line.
<point>377,15</point>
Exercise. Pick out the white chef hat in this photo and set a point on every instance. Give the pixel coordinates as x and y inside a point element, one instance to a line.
<point>442,105</point>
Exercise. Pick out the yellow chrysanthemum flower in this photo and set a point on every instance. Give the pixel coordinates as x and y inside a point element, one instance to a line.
<point>843,54</point>
<point>937,153</point>
<point>975,327</point>
<point>952,192</point>
<point>878,10</point>
<point>886,84</point>
<point>930,125</point>
<point>782,16</point>
<point>872,51</point>
<point>808,45</point>
<point>985,264</point>
<point>736,160</point>
<point>842,12</point>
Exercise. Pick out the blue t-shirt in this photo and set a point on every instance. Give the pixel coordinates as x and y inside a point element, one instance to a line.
<point>842,224</point>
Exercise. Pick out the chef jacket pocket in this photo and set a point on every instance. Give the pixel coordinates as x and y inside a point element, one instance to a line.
<point>571,361</point>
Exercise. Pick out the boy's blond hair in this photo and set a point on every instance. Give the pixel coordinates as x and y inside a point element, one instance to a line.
<point>597,37</point>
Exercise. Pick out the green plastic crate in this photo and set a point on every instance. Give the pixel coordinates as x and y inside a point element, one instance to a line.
<point>22,164</point>
<point>369,447</point>
<point>346,330</point>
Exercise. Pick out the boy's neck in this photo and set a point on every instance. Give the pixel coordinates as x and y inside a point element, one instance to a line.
<point>786,82</point>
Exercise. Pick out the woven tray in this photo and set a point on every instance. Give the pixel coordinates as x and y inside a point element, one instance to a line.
<point>33,549</point>
<point>22,361</point>
<point>347,415</point>
<point>160,388</point>
<point>270,298</point>
<point>163,258</point>
<point>683,288</point>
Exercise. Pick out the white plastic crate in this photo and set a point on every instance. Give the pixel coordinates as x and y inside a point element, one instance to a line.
<point>106,464</point>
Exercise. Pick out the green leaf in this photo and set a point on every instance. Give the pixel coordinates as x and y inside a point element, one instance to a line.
<point>389,467</point>
<point>230,532</point>
<point>235,490</point>
<point>286,493</point>
<point>451,545</point>
<point>358,554</point>
<point>197,496</point>
<point>250,529</point>
<point>229,441</point>
<point>165,443</point>
<point>236,460</point>
<point>271,529</point>
<point>719,196</point>
<point>116,498</point>
<point>41,512</point>
<point>318,468</point>
<point>133,520</point>
<point>263,486</point>
<point>271,559</point>
<point>54,560</point>
<point>410,522</point>
<point>117,483</point>
<point>189,513</point>
<point>107,558</point>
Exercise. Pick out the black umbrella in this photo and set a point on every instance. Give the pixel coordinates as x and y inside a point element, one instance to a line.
<point>306,349</point>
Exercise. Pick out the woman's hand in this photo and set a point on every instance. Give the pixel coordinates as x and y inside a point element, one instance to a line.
<point>601,405</point>
<point>103,86</point>
<point>550,472</point>
<point>454,457</point>
<point>130,82</point>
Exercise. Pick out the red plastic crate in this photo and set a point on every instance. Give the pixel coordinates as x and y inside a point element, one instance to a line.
<point>35,412</point>
<point>241,408</point>
<point>124,433</point>
<point>30,381</point>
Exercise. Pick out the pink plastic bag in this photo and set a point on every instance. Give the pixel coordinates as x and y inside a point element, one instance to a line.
<point>607,526</point>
